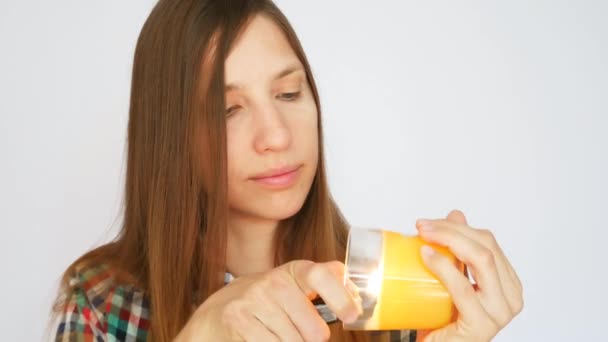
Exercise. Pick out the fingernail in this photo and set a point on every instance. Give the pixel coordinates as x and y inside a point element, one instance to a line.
<point>427,251</point>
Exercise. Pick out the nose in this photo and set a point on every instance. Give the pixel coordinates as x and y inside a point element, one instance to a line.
<point>272,131</point>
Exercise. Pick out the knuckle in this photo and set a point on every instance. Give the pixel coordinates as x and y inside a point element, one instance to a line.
<point>258,292</point>
<point>317,273</point>
<point>335,265</point>
<point>232,314</point>
<point>305,263</point>
<point>279,284</point>
<point>505,318</point>
<point>278,281</point>
<point>488,238</point>
<point>518,305</point>
<point>519,285</point>
<point>465,290</point>
<point>299,268</point>
<point>486,258</point>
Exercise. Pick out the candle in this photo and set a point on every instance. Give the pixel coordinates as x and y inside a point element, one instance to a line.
<point>396,289</point>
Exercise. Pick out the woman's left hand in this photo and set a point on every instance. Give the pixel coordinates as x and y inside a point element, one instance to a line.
<point>484,308</point>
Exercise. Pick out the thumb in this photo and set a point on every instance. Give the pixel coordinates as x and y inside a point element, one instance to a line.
<point>457,216</point>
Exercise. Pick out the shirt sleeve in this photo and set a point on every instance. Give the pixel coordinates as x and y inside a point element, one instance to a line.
<point>78,321</point>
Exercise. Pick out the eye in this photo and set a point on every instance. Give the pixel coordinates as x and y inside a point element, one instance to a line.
<point>231,110</point>
<point>290,96</point>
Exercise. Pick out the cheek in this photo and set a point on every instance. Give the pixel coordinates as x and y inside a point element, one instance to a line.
<point>306,136</point>
<point>306,142</point>
<point>236,160</point>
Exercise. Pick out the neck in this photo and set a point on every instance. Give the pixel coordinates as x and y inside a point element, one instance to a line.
<point>250,247</point>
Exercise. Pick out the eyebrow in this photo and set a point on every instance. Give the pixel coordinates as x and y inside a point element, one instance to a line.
<point>287,71</point>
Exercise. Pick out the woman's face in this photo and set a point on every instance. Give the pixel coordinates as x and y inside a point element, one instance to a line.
<point>271,122</point>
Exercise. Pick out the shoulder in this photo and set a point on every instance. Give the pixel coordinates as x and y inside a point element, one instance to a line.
<point>96,306</point>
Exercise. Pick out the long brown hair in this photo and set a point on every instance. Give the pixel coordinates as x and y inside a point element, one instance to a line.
<point>172,243</point>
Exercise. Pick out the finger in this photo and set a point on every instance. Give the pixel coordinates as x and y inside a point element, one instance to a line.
<point>305,317</point>
<point>277,321</point>
<point>321,278</point>
<point>489,241</point>
<point>487,238</point>
<point>464,297</point>
<point>511,283</point>
<point>299,309</point>
<point>509,280</point>
<point>513,291</point>
<point>251,329</point>
<point>457,216</point>
<point>481,263</point>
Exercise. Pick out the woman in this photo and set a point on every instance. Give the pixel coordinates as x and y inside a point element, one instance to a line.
<point>226,176</point>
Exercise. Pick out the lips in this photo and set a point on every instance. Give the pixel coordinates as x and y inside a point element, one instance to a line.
<point>276,172</point>
<point>278,178</point>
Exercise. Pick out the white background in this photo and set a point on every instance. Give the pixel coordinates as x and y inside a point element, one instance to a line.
<point>498,109</point>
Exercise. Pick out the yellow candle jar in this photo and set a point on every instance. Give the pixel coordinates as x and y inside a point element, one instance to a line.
<point>397,291</point>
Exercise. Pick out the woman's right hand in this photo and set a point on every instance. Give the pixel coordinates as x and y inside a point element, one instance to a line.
<point>274,306</point>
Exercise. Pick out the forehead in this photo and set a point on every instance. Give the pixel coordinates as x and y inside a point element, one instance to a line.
<point>261,51</point>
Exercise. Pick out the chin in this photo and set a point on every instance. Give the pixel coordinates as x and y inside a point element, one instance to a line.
<point>284,212</point>
<point>277,207</point>
<point>267,214</point>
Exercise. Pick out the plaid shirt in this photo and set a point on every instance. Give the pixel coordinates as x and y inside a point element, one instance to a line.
<point>101,311</point>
